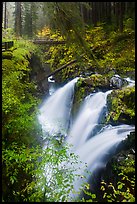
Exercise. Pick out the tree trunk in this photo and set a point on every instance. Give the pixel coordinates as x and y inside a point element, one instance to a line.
<point>2,13</point>
<point>117,13</point>
<point>109,12</point>
<point>5,16</point>
<point>121,14</point>
<point>94,13</point>
<point>18,20</point>
<point>31,24</point>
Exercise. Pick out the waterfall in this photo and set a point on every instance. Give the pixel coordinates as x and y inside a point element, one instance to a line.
<point>51,82</point>
<point>94,149</point>
<point>55,113</point>
<point>88,118</point>
<point>130,82</point>
<point>92,141</point>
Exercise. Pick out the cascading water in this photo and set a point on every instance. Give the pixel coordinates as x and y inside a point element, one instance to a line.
<point>92,142</point>
<point>88,118</point>
<point>94,147</point>
<point>130,82</point>
<point>51,82</point>
<point>96,151</point>
<point>55,113</point>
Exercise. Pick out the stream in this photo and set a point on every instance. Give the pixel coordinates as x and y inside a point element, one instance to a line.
<point>93,142</point>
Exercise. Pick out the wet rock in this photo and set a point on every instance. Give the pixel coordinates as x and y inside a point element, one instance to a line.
<point>38,69</point>
<point>116,81</point>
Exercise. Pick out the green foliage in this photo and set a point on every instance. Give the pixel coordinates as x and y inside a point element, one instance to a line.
<point>122,192</point>
<point>109,51</point>
<point>87,192</point>
<point>29,173</point>
<point>19,106</point>
<point>120,187</point>
<point>7,34</point>
<point>30,15</point>
<point>129,24</point>
<point>64,17</point>
<point>33,174</point>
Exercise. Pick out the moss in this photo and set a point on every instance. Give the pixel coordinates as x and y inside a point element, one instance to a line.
<point>121,106</point>
<point>6,55</point>
<point>85,86</point>
<point>80,94</point>
<point>97,80</point>
<point>7,66</point>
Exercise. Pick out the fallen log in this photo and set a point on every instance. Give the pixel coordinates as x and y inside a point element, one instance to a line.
<point>7,45</point>
<point>41,77</point>
<point>62,67</point>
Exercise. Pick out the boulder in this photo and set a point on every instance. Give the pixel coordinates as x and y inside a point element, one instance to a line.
<point>116,81</point>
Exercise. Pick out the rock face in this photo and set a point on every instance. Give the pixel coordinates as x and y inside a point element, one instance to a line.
<point>122,161</point>
<point>116,81</point>
<point>38,70</point>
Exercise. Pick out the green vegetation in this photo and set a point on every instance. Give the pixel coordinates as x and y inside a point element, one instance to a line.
<point>25,164</point>
<point>122,185</point>
<point>18,101</point>
<point>109,50</point>
<point>23,160</point>
<point>121,105</point>
<point>102,48</point>
<point>33,174</point>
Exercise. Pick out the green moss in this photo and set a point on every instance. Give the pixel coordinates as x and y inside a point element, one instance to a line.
<point>6,55</point>
<point>97,80</point>
<point>79,82</point>
<point>7,65</point>
<point>80,94</point>
<point>121,105</point>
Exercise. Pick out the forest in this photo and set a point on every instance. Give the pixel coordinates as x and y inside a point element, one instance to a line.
<point>68,102</point>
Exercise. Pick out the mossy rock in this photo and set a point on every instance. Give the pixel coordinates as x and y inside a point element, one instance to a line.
<point>80,94</point>
<point>121,106</point>
<point>7,55</point>
<point>85,86</point>
<point>97,81</point>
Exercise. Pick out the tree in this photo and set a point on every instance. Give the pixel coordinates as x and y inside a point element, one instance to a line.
<point>34,16</point>
<point>5,15</point>
<point>18,19</point>
<point>27,23</point>
<point>121,16</point>
<point>30,16</point>
<point>2,12</point>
